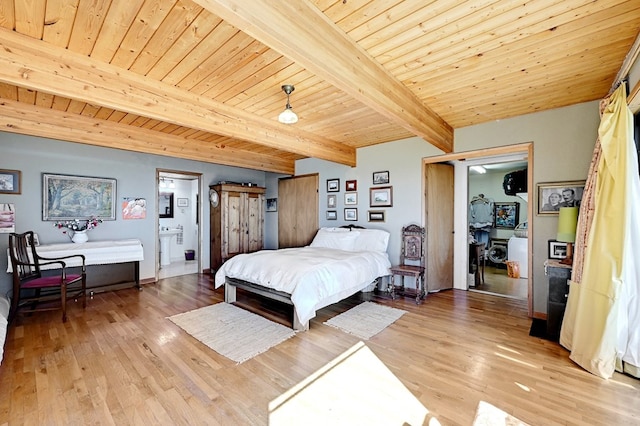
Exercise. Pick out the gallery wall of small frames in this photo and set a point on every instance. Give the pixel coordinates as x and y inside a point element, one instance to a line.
<point>380,196</point>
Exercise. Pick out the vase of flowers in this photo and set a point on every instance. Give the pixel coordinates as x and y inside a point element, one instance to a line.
<point>77,229</point>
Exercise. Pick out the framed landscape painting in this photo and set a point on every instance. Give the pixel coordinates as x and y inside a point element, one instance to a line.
<point>67,197</point>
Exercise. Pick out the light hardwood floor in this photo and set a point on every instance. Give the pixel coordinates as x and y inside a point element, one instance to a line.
<point>496,281</point>
<point>122,362</point>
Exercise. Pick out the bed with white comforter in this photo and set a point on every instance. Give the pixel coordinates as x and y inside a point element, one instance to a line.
<point>337,264</point>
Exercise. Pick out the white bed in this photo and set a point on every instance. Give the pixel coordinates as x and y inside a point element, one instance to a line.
<point>337,264</point>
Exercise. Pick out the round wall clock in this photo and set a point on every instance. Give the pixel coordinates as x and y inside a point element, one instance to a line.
<point>214,198</point>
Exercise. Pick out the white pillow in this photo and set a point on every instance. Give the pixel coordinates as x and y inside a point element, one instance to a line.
<point>372,240</point>
<point>335,239</point>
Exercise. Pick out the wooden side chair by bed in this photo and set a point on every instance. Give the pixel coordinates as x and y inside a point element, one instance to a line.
<point>411,263</point>
<point>31,288</point>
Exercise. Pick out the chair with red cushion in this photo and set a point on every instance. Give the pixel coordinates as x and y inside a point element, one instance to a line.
<point>30,287</point>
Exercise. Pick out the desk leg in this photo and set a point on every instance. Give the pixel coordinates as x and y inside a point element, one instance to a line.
<point>137,274</point>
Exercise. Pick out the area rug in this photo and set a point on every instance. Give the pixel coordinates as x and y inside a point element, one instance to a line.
<point>231,331</point>
<point>366,320</point>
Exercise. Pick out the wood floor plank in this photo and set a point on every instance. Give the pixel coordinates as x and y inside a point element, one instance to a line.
<point>121,361</point>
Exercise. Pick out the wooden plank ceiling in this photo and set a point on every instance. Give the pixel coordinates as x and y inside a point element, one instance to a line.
<point>202,79</point>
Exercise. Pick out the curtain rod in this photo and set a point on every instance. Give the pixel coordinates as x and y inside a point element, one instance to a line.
<point>631,57</point>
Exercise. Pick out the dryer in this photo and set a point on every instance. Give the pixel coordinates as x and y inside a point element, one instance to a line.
<point>518,251</point>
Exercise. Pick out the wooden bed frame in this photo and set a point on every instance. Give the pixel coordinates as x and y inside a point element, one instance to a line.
<point>232,283</point>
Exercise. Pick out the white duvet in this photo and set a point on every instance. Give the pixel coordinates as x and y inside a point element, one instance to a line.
<point>315,277</point>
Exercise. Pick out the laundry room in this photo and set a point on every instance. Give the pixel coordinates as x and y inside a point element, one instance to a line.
<point>497,216</point>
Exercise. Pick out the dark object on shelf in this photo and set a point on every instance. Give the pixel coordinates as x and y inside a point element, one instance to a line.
<point>515,182</point>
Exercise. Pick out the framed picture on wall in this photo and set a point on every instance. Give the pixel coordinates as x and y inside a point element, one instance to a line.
<point>333,185</point>
<point>553,195</point>
<point>332,215</point>
<point>380,178</point>
<point>557,250</point>
<point>66,197</point>
<point>506,215</point>
<point>376,215</point>
<point>381,196</point>
<point>272,204</point>
<point>331,201</point>
<point>350,198</point>
<point>10,181</point>
<point>351,185</point>
<point>351,214</point>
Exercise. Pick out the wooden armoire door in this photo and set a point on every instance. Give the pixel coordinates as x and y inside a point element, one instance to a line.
<point>237,222</point>
<point>297,210</point>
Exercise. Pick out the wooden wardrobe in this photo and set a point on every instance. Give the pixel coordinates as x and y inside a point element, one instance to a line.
<point>237,221</point>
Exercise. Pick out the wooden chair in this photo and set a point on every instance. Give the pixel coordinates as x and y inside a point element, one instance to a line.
<point>30,287</point>
<point>411,262</point>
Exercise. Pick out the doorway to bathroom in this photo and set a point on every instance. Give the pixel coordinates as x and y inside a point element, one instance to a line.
<point>179,242</point>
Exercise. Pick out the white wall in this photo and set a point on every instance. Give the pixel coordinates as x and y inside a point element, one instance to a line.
<point>403,160</point>
<point>271,218</point>
<point>563,142</point>
<point>136,178</point>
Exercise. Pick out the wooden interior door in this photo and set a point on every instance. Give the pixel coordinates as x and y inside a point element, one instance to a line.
<point>439,187</point>
<point>297,210</point>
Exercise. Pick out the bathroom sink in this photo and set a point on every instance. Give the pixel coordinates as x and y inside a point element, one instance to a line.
<point>165,244</point>
<point>169,232</point>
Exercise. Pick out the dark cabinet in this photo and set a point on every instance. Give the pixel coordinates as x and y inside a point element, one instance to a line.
<point>558,276</point>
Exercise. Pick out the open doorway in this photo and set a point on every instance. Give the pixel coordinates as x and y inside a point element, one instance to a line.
<point>179,247</point>
<point>461,162</point>
<point>498,215</point>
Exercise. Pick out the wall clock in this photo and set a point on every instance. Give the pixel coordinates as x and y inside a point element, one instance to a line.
<point>214,197</point>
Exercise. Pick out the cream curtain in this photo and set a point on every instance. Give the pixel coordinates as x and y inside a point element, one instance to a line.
<point>601,323</point>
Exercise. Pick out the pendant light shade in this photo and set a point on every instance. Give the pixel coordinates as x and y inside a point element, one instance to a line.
<point>288,116</point>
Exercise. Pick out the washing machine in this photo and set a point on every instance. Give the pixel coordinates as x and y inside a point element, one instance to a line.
<point>518,251</point>
<point>498,251</point>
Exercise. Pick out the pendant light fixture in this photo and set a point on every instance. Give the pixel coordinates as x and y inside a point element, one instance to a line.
<point>288,116</point>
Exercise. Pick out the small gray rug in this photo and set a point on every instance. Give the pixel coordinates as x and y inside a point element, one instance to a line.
<point>231,331</point>
<point>366,320</point>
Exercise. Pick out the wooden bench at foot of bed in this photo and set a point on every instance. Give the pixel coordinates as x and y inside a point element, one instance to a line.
<point>230,297</point>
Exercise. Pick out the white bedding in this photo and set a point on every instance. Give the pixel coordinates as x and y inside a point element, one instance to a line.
<point>315,277</point>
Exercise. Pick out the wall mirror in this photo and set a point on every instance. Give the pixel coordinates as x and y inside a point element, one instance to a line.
<point>165,205</point>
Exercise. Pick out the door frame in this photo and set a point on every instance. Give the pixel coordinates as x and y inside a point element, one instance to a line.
<point>460,244</point>
<point>185,175</point>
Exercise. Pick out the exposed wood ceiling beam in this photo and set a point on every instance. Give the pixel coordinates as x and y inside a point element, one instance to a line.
<point>36,65</point>
<point>300,31</point>
<point>18,117</point>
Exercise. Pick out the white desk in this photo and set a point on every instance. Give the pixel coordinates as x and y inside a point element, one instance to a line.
<point>95,252</point>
